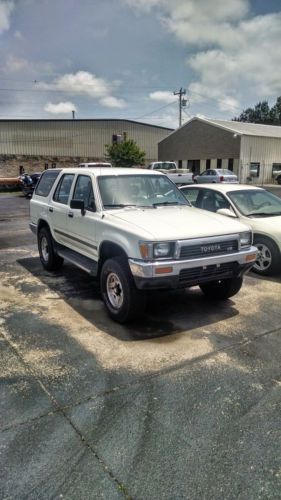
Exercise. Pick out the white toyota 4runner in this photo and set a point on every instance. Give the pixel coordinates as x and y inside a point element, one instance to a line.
<point>135,231</point>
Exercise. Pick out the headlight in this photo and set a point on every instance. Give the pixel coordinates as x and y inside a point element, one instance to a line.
<point>161,250</point>
<point>246,239</point>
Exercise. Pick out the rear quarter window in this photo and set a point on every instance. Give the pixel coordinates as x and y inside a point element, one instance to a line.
<point>46,182</point>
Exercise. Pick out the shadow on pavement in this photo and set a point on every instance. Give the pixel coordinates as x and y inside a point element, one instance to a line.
<point>168,312</point>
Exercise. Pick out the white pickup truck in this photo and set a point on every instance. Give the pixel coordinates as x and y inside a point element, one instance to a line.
<point>135,231</point>
<point>177,175</point>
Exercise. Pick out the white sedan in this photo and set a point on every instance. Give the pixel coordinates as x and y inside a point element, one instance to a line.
<point>254,206</point>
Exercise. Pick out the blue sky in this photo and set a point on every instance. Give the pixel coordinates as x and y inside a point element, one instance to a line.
<point>124,58</point>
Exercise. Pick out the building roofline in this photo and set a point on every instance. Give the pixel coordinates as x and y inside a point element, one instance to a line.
<point>82,120</point>
<point>227,128</point>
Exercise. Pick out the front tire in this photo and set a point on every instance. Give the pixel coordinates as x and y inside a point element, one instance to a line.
<point>222,289</point>
<point>123,301</point>
<point>269,259</point>
<point>49,259</point>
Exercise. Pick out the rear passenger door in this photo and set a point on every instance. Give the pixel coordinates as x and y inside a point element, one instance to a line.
<point>58,209</point>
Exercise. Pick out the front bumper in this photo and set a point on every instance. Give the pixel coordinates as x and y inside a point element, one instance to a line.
<point>185,273</point>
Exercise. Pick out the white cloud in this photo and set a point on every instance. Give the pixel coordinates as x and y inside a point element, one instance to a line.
<point>18,35</point>
<point>163,96</point>
<point>235,56</point>
<point>60,108</point>
<point>84,83</point>
<point>112,102</point>
<point>14,64</point>
<point>6,9</point>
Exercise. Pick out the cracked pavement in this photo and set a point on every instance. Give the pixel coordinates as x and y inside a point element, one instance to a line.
<point>184,404</point>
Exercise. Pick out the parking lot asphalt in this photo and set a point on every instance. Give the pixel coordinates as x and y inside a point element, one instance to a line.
<point>184,404</point>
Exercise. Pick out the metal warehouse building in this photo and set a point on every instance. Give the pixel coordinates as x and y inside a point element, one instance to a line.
<point>251,150</point>
<point>39,144</point>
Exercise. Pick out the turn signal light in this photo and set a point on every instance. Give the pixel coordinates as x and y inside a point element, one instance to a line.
<point>163,270</point>
<point>250,258</point>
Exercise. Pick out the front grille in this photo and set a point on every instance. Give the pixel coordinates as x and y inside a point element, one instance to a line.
<point>203,250</point>
<point>209,273</point>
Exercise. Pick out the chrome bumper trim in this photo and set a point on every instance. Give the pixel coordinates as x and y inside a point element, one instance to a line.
<point>143,269</point>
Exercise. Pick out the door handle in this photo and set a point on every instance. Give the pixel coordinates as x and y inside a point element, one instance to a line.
<point>51,209</point>
<point>70,214</point>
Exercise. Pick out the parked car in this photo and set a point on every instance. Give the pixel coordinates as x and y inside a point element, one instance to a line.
<point>252,205</point>
<point>135,231</point>
<point>217,175</point>
<point>179,176</point>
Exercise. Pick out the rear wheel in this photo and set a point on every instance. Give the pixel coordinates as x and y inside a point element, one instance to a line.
<point>49,259</point>
<point>268,261</point>
<point>124,302</point>
<point>222,289</point>
<point>279,179</point>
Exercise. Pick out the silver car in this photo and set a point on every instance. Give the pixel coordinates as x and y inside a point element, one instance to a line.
<point>216,175</point>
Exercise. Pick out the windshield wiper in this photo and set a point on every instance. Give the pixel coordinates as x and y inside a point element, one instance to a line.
<point>263,214</point>
<point>165,203</point>
<point>119,205</point>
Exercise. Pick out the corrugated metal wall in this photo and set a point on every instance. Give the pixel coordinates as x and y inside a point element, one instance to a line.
<point>85,138</point>
<point>263,150</point>
<point>199,141</point>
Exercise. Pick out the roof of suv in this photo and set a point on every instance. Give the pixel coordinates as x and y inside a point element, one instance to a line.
<point>97,171</point>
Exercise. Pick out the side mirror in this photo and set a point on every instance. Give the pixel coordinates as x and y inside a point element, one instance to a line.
<point>227,212</point>
<point>78,205</point>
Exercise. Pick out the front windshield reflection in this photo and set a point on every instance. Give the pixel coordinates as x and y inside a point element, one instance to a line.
<point>139,191</point>
<point>256,203</point>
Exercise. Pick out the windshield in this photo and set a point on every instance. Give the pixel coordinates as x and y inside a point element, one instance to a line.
<point>256,203</point>
<point>165,165</point>
<point>139,191</point>
<point>224,171</point>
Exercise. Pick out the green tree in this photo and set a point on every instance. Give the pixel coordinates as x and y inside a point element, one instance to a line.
<point>125,154</point>
<point>262,113</point>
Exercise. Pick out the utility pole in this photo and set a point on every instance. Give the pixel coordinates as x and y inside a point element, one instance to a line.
<point>73,114</point>
<point>182,102</point>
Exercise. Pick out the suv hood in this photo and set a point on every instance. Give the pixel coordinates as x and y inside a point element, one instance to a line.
<point>178,223</point>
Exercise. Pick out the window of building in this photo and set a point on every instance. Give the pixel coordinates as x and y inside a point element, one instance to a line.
<point>230,164</point>
<point>254,169</point>
<point>194,166</point>
<point>208,163</point>
<point>276,167</point>
<point>219,163</point>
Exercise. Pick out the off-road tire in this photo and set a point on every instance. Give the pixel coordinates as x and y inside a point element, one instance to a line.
<point>133,300</point>
<point>261,242</point>
<point>49,259</point>
<point>222,289</point>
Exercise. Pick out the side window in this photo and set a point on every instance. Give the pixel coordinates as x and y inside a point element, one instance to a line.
<point>84,191</point>
<point>63,189</point>
<point>46,182</point>
<point>191,195</point>
<point>208,201</point>
<point>221,201</point>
